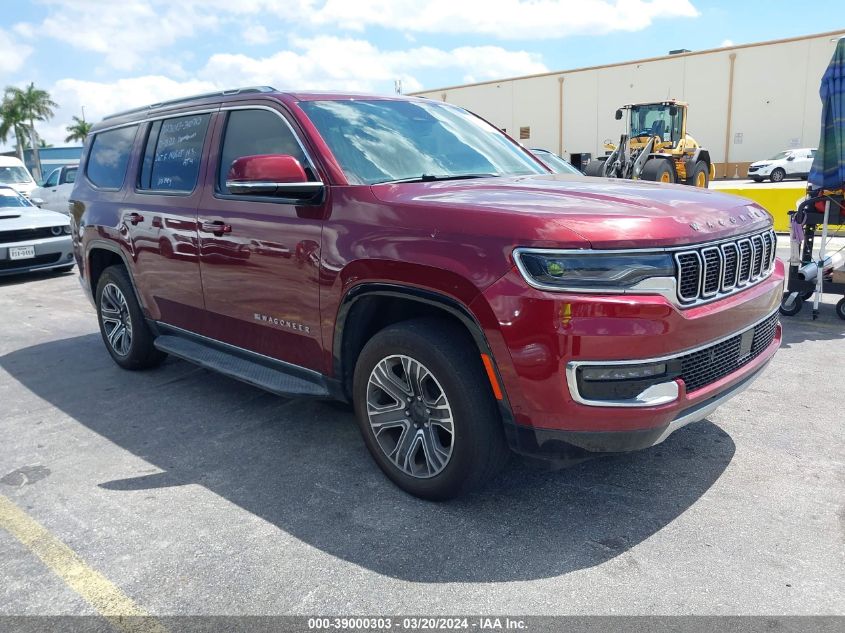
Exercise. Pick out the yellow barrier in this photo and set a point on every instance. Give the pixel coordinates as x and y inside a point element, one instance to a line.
<point>776,200</point>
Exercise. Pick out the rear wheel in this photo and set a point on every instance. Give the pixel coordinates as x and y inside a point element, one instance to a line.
<point>700,176</point>
<point>840,309</point>
<point>658,170</point>
<point>122,325</point>
<point>425,409</point>
<point>777,175</point>
<point>595,168</point>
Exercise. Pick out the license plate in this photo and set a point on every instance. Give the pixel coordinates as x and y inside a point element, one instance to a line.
<point>21,252</point>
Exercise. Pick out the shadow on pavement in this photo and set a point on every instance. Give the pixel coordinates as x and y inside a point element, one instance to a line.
<point>801,327</point>
<point>302,466</point>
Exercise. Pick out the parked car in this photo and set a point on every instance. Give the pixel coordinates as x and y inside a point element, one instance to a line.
<point>554,162</point>
<point>14,174</point>
<point>791,163</point>
<point>32,238</point>
<point>464,299</point>
<point>55,192</point>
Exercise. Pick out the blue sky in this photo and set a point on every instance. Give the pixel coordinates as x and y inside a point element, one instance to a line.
<point>108,55</point>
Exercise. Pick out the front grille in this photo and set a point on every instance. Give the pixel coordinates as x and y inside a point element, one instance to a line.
<point>706,366</point>
<point>38,260</point>
<point>22,235</point>
<point>708,271</point>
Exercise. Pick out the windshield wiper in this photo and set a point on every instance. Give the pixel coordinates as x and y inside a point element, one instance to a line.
<point>435,177</point>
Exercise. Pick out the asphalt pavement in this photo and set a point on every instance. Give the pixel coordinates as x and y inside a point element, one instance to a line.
<point>190,493</point>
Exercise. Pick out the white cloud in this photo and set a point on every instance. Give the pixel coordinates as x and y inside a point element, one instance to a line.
<point>256,34</point>
<point>126,32</point>
<point>354,64</point>
<point>505,19</point>
<point>13,54</point>
<point>726,44</point>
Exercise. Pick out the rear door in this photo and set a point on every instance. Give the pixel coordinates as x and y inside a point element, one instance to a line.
<point>259,255</point>
<point>159,215</point>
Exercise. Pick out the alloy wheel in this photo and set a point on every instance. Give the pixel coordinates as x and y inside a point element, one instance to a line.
<point>410,416</point>
<point>117,322</point>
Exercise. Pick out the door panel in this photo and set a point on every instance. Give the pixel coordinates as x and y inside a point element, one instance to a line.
<point>260,276</point>
<point>160,217</point>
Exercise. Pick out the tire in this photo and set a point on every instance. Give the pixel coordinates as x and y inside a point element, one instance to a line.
<point>777,175</point>
<point>117,306</point>
<point>658,170</point>
<point>807,295</point>
<point>455,386</point>
<point>792,310</point>
<point>840,309</point>
<point>595,168</point>
<point>700,176</point>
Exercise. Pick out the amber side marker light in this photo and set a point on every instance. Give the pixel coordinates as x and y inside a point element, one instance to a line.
<point>491,375</point>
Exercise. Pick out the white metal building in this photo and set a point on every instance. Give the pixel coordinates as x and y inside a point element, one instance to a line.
<point>746,102</point>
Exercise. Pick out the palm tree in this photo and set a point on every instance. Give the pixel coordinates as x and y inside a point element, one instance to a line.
<point>34,105</point>
<point>78,130</point>
<point>13,122</point>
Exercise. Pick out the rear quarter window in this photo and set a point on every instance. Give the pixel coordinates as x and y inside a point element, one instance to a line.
<point>109,157</point>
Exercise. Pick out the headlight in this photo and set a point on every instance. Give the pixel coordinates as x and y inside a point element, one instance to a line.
<point>587,271</point>
<point>761,164</point>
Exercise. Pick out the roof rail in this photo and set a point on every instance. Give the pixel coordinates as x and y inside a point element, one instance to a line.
<point>219,93</point>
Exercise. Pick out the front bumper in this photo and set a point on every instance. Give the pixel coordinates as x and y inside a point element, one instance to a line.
<point>536,335</point>
<point>51,252</point>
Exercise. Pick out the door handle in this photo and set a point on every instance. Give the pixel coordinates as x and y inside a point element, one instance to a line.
<point>218,227</point>
<point>134,218</point>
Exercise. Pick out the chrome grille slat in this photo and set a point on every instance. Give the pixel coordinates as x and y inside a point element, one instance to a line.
<point>757,265</point>
<point>705,272</point>
<point>730,253</point>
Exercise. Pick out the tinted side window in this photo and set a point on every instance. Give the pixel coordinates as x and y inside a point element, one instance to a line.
<point>173,152</point>
<point>53,178</point>
<point>110,156</point>
<point>70,175</point>
<point>253,132</point>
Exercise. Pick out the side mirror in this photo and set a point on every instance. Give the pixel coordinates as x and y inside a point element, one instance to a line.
<point>270,174</point>
<point>618,114</point>
<point>38,202</point>
<point>790,158</point>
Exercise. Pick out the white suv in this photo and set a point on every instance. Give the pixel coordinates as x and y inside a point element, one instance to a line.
<point>791,163</point>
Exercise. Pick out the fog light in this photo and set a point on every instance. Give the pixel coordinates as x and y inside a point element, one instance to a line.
<point>623,372</point>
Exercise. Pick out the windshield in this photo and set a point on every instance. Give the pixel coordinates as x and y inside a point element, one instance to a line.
<point>779,156</point>
<point>656,120</point>
<point>555,162</point>
<point>13,174</point>
<point>382,141</point>
<point>11,198</point>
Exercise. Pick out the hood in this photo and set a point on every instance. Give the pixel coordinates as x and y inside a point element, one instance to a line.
<point>15,218</point>
<point>609,213</point>
<point>22,187</point>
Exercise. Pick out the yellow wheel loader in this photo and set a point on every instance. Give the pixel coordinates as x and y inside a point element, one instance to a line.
<point>655,147</point>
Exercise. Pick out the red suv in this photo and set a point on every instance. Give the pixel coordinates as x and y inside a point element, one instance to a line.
<point>408,257</point>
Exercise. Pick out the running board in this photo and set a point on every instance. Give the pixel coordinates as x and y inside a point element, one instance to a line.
<point>273,379</point>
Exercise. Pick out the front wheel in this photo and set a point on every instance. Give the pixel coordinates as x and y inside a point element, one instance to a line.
<point>777,175</point>
<point>125,333</point>
<point>595,168</point>
<point>840,309</point>
<point>426,411</point>
<point>658,170</point>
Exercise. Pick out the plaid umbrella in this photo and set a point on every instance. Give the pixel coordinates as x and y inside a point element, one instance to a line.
<point>828,170</point>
